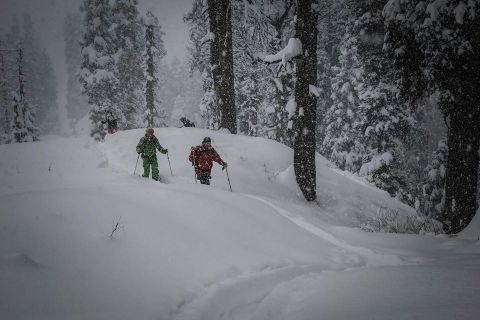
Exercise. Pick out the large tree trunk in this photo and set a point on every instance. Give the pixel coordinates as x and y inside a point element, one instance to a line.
<point>304,146</point>
<point>462,170</point>
<point>221,60</point>
<point>150,85</point>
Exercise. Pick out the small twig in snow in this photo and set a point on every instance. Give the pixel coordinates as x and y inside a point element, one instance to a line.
<point>115,227</point>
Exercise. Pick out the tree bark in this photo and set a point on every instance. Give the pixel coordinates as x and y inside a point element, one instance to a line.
<point>221,60</point>
<point>305,120</point>
<point>150,85</point>
<point>462,170</point>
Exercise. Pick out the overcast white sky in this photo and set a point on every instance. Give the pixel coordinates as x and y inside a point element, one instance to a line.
<point>48,17</point>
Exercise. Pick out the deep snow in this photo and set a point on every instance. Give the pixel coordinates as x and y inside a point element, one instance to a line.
<point>188,251</point>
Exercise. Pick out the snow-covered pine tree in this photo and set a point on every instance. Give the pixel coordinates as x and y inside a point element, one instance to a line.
<point>98,74</point>
<point>278,20</point>
<point>266,26</point>
<point>77,104</point>
<point>432,202</point>
<point>199,60</point>
<point>5,99</point>
<point>341,144</point>
<point>435,48</point>
<point>208,104</point>
<point>40,82</point>
<point>385,123</point>
<point>129,44</point>
<point>333,16</point>
<point>249,100</point>
<point>23,128</point>
<point>155,116</point>
<point>48,113</point>
<point>251,35</point>
<point>10,57</point>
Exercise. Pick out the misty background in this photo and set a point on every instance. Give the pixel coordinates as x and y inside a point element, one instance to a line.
<point>48,19</point>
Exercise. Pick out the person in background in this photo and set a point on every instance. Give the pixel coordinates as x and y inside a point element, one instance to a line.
<point>111,122</point>
<point>186,123</point>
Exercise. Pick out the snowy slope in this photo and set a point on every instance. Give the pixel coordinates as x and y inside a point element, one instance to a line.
<point>188,251</point>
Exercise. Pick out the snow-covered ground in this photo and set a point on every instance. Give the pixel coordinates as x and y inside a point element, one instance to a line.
<point>188,251</point>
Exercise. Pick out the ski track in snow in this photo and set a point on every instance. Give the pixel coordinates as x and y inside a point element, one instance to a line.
<point>238,296</point>
<point>370,258</point>
<point>235,297</point>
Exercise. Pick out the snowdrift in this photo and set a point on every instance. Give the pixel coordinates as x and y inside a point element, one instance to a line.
<point>260,167</point>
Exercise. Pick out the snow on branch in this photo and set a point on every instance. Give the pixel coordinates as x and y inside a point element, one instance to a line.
<point>314,90</point>
<point>292,50</point>
<point>291,107</point>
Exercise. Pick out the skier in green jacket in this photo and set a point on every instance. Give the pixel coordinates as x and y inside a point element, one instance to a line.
<point>147,148</point>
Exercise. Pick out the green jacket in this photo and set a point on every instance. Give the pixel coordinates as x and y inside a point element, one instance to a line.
<point>148,147</point>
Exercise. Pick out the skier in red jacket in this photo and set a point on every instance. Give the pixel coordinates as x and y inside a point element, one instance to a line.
<point>202,158</point>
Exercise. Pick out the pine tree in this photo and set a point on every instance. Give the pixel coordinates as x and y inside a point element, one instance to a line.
<point>341,144</point>
<point>263,26</point>
<point>77,104</point>
<point>128,42</point>
<point>385,123</point>
<point>208,104</point>
<point>4,99</point>
<point>433,191</point>
<point>40,82</point>
<point>154,52</point>
<point>98,74</point>
<point>199,60</point>
<point>23,128</point>
<point>435,48</point>
<point>47,98</point>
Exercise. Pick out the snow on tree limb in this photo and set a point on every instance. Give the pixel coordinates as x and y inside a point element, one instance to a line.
<point>314,90</point>
<point>292,50</point>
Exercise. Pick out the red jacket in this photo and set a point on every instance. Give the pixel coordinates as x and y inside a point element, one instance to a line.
<point>202,158</point>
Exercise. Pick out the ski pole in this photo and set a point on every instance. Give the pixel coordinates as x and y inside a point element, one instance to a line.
<point>168,158</point>
<point>193,165</point>
<point>226,170</point>
<point>136,165</point>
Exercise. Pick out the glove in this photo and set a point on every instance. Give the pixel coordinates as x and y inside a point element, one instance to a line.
<point>225,165</point>
<point>165,151</point>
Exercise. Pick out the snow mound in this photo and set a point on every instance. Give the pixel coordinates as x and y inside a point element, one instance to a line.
<point>472,231</point>
<point>261,167</point>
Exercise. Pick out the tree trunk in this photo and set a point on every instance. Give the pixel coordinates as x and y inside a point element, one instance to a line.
<point>221,60</point>
<point>150,85</point>
<point>305,120</point>
<point>462,170</point>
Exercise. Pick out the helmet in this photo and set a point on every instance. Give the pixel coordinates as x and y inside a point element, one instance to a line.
<point>207,140</point>
<point>149,131</point>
